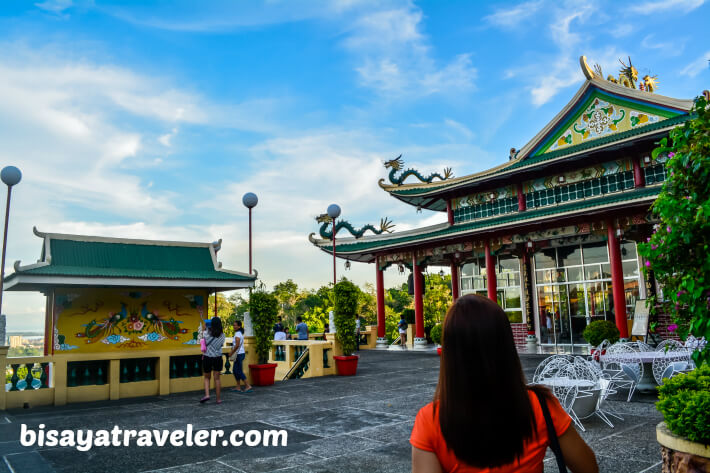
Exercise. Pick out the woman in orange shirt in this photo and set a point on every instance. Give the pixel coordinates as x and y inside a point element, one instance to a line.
<point>484,418</point>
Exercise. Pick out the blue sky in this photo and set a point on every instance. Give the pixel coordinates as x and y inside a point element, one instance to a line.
<point>152,119</point>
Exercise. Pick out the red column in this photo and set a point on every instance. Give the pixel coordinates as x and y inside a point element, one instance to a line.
<point>617,280</point>
<point>639,180</point>
<point>449,212</point>
<point>521,198</point>
<point>380,300</point>
<point>455,281</point>
<point>491,274</point>
<point>418,299</point>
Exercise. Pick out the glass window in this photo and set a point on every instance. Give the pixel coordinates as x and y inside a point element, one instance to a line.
<point>466,284</point>
<point>606,271</point>
<point>512,298</point>
<point>515,316</point>
<point>508,263</point>
<point>630,269</point>
<point>467,269</point>
<point>628,250</point>
<point>592,272</point>
<point>545,259</point>
<point>595,253</point>
<point>569,255</point>
<point>574,274</point>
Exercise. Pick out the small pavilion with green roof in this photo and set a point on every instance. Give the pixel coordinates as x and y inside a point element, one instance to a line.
<point>116,294</point>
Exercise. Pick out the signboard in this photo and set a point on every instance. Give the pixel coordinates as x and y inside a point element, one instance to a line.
<point>640,327</point>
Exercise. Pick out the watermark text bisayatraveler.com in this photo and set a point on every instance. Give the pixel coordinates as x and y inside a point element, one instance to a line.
<point>85,440</point>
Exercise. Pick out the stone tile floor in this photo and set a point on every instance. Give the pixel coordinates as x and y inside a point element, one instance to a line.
<point>334,424</point>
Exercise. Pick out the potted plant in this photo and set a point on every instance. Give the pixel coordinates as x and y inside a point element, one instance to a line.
<point>263,308</point>
<point>684,401</point>
<point>678,256</point>
<point>598,331</point>
<point>346,297</point>
<point>436,337</point>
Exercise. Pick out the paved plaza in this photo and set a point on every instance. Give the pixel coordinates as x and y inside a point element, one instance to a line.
<point>334,424</point>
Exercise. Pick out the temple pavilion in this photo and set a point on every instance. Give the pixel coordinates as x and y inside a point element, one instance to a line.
<point>123,295</point>
<point>551,233</point>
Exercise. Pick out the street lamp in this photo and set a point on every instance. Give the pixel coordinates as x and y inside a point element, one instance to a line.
<point>333,212</point>
<point>250,200</point>
<point>10,175</point>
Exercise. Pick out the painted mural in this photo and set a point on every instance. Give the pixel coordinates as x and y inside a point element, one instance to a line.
<point>102,320</point>
<point>602,117</point>
<point>599,170</point>
<point>483,197</point>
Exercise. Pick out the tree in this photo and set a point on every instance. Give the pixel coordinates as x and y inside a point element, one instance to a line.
<point>437,299</point>
<point>678,251</point>
<point>287,295</point>
<point>225,309</point>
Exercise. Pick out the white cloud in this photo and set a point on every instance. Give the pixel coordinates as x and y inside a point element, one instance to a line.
<point>56,7</point>
<point>696,67</point>
<point>668,48</point>
<point>396,59</point>
<point>511,17</point>
<point>460,128</point>
<point>662,6</point>
<point>166,139</point>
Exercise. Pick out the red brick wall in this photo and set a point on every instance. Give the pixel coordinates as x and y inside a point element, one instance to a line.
<point>520,332</point>
<point>664,320</point>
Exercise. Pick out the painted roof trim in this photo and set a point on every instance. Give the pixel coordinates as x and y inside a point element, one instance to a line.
<point>433,233</point>
<point>234,278</point>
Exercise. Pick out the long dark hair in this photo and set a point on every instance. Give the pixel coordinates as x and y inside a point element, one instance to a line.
<point>484,409</point>
<point>216,327</point>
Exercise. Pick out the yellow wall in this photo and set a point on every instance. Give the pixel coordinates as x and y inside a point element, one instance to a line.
<point>108,320</point>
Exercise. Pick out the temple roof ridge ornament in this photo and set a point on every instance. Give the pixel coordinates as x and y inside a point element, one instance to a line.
<point>397,163</point>
<point>628,75</point>
<point>386,226</point>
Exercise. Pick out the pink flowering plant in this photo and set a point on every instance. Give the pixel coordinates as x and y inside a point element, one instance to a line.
<point>678,252</point>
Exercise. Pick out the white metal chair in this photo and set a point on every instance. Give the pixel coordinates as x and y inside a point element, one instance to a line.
<point>623,366</point>
<point>671,358</point>
<point>549,367</point>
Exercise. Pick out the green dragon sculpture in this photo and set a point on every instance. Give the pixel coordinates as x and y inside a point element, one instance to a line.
<point>385,226</point>
<point>397,163</point>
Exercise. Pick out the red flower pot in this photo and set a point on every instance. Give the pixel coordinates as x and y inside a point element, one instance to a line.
<point>346,365</point>
<point>438,351</point>
<point>262,375</point>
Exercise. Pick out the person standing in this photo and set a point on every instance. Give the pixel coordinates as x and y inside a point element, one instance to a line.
<point>238,350</point>
<point>278,326</point>
<point>301,329</point>
<point>484,417</point>
<point>212,362</point>
<point>402,327</point>
<point>357,332</point>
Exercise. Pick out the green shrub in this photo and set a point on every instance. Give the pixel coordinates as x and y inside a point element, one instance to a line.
<point>346,304</point>
<point>409,316</point>
<point>601,330</point>
<point>263,308</point>
<point>684,401</point>
<point>435,334</point>
<point>677,252</point>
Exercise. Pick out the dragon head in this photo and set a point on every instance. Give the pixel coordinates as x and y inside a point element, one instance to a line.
<point>395,163</point>
<point>386,225</point>
<point>650,83</point>
<point>629,71</point>
<point>323,218</point>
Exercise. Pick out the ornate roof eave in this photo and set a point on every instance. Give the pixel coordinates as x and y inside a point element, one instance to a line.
<point>443,232</point>
<point>437,190</point>
<point>46,260</point>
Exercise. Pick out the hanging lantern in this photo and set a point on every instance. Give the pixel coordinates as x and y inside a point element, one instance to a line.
<point>347,264</point>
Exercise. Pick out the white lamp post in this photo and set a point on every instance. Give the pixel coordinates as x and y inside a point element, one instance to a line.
<point>333,212</point>
<point>250,200</point>
<point>10,175</point>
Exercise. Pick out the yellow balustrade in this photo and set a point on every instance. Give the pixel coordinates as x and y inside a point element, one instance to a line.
<point>104,382</point>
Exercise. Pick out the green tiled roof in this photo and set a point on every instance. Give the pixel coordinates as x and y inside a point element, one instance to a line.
<point>362,246</point>
<point>131,260</point>
<point>558,153</point>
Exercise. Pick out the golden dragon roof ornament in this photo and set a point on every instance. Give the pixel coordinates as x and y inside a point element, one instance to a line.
<point>628,76</point>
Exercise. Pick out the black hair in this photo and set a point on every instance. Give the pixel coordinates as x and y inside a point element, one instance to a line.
<point>216,327</point>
